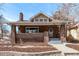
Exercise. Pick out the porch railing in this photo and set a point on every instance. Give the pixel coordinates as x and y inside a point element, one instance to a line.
<point>30,37</point>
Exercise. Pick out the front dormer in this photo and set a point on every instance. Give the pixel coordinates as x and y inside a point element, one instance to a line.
<point>40,17</point>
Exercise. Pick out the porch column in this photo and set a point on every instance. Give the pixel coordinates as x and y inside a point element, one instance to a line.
<point>59,31</point>
<point>66,32</point>
<point>13,35</point>
<point>63,33</point>
<point>46,37</point>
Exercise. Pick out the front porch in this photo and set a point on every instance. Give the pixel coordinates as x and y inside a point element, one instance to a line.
<point>37,33</point>
<point>24,36</point>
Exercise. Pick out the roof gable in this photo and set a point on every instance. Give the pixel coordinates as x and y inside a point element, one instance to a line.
<point>40,15</point>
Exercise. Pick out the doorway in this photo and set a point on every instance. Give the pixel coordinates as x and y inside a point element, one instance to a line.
<point>54,32</point>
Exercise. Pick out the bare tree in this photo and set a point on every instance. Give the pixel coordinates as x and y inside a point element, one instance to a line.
<point>70,9</point>
<point>2,20</point>
<point>59,15</point>
<point>66,11</point>
<point>1,34</point>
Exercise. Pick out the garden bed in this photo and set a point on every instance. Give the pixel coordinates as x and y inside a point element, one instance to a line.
<point>29,49</point>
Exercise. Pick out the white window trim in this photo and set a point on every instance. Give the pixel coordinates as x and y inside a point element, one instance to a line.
<point>33,27</point>
<point>41,18</point>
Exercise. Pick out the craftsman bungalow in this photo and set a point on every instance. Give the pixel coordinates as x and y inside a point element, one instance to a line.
<point>39,28</point>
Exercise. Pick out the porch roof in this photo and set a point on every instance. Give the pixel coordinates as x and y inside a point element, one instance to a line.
<point>28,23</point>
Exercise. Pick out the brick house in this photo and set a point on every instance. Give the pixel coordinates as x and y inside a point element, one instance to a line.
<point>39,28</point>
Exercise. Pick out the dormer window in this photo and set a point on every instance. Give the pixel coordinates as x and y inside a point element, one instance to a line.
<point>36,20</point>
<point>40,17</point>
<point>41,20</point>
<point>45,20</point>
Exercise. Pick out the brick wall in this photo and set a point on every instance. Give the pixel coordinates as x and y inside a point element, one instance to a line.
<point>30,37</point>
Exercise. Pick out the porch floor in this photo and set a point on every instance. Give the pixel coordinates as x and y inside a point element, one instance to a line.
<point>55,41</point>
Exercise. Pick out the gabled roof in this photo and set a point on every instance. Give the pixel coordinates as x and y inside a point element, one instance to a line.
<point>39,15</point>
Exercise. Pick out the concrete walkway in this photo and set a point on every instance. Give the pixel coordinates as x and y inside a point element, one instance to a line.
<point>64,49</point>
<point>61,47</point>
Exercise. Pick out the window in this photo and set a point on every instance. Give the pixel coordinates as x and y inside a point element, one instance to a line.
<point>27,30</point>
<point>41,20</point>
<point>45,20</point>
<point>36,20</point>
<point>32,30</point>
<point>50,30</point>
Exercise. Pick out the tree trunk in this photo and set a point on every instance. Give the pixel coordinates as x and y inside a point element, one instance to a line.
<point>1,32</point>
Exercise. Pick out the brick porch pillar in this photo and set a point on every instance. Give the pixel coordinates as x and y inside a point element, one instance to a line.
<point>13,34</point>
<point>59,31</point>
<point>66,32</point>
<point>46,37</point>
<point>63,33</point>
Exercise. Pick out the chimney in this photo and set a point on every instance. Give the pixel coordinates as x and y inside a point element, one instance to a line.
<point>21,16</point>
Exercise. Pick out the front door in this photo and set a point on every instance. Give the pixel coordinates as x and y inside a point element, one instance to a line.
<point>54,32</point>
<point>50,32</point>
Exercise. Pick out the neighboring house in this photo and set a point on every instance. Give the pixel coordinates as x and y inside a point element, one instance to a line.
<point>39,28</point>
<point>2,21</point>
<point>74,33</point>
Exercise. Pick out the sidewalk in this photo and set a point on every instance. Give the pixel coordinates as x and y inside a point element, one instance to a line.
<point>65,50</point>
